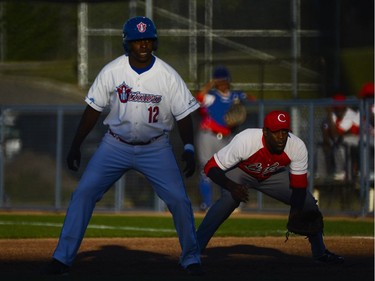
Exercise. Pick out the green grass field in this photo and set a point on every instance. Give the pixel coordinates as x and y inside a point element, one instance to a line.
<point>15,226</point>
<point>248,245</point>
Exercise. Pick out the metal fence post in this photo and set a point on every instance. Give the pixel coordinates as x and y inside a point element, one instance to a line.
<point>260,121</point>
<point>364,146</point>
<point>311,146</point>
<point>2,193</point>
<point>59,144</point>
<point>82,45</point>
<point>119,193</point>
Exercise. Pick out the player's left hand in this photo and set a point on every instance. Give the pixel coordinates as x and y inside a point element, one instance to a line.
<point>188,157</point>
<point>74,158</point>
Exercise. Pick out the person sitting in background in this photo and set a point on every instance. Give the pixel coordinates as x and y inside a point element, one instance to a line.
<point>341,138</point>
<point>215,99</point>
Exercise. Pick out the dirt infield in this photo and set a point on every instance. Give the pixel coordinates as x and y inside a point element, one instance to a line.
<point>258,259</point>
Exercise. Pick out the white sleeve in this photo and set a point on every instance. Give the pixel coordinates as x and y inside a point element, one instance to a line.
<point>242,146</point>
<point>350,118</point>
<point>297,152</point>
<point>98,94</point>
<point>182,101</point>
<point>208,100</point>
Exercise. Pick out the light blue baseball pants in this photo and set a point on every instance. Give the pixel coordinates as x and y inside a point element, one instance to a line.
<point>111,160</point>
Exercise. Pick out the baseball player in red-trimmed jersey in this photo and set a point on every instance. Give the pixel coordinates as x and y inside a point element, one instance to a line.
<point>271,160</point>
<point>145,97</point>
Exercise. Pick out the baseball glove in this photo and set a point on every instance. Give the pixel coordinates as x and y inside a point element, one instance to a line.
<point>304,223</point>
<point>236,115</point>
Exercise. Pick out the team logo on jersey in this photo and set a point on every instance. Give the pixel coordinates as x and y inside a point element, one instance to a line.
<point>126,94</point>
<point>142,27</point>
<point>123,92</point>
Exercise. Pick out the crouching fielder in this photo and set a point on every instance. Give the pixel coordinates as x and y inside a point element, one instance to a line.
<point>273,161</point>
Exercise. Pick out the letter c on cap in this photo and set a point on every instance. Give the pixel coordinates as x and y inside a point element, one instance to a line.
<point>281,119</point>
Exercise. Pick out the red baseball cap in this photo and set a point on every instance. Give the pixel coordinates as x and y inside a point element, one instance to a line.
<point>367,91</point>
<point>339,97</point>
<point>277,120</point>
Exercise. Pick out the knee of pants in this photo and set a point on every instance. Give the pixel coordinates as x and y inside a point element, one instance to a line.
<point>87,193</point>
<point>177,200</point>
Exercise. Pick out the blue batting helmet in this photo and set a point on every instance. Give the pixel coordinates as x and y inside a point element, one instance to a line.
<point>139,28</point>
<point>221,73</point>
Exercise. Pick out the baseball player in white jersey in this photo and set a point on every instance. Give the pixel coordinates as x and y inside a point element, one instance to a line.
<point>271,160</point>
<point>145,97</point>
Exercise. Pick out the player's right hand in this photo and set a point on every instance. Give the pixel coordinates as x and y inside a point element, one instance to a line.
<point>74,159</point>
<point>240,193</point>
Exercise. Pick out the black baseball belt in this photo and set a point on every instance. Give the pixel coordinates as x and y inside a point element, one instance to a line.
<point>117,137</point>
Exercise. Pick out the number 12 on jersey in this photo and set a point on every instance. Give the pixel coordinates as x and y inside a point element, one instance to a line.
<point>153,113</point>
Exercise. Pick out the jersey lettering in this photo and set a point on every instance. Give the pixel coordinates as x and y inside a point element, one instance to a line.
<point>258,168</point>
<point>126,94</point>
<point>255,168</point>
<point>271,169</point>
<point>262,164</point>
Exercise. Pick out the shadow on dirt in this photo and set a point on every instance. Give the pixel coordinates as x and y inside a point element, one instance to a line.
<point>114,262</point>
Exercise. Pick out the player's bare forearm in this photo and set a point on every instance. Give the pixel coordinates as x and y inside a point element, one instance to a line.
<point>88,120</point>
<point>206,87</point>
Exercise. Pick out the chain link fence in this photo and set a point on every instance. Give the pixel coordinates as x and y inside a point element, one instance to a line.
<point>36,139</point>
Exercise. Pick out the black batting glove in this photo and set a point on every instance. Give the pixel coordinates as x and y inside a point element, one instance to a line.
<point>188,157</point>
<point>74,159</point>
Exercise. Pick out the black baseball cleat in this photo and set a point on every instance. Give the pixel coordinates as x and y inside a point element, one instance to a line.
<point>195,269</point>
<point>56,267</point>
<point>329,258</point>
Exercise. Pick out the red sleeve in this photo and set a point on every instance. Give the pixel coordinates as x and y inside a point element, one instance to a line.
<point>298,181</point>
<point>202,110</point>
<point>200,97</point>
<point>210,164</point>
<point>354,130</point>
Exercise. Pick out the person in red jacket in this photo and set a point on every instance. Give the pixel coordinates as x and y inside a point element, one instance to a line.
<point>271,160</point>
